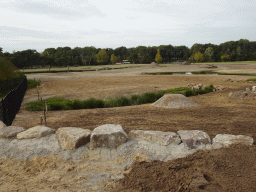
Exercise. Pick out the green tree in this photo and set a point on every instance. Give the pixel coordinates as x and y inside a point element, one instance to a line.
<point>158,57</point>
<point>198,56</point>
<point>224,57</point>
<point>208,54</point>
<point>102,56</point>
<point>113,58</point>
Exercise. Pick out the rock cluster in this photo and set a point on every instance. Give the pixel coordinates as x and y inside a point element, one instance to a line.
<point>244,94</point>
<point>195,86</point>
<point>113,136</point>
<point>201,86</point>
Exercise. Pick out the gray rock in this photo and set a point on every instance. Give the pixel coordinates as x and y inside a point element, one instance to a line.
<point>109,135</point>
<point>37,131</point>
<point>194,138</point>
<point>2,125</point>
<point>158,137</point>
<point>11,131</point>
<point>71,138</point>
<point>254,88</point>
<point>227,139</point>
<point>239,94</point>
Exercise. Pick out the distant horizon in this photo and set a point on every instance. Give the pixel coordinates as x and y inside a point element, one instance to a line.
<point>119,46</point>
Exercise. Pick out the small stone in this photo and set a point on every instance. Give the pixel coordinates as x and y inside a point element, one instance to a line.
<point>70,138</point>
<point>158,137</point>
<point>11,131</point>
<point>227,139</point>
<point>247,90</point>
<point>109,135</point>
<point>194,138</point>
<point>37,131</point>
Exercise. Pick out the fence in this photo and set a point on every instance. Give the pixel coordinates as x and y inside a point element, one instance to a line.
<point>10,104</point>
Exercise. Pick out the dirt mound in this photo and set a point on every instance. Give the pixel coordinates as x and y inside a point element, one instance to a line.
<point>174,101</point>
<point>154,64</point>
<point>185,63</point>
<point>214,170</point>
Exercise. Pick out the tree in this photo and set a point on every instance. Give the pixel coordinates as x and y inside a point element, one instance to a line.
<point>102,56</point>
<point>198,56</point>
<point>208,54</point>
<point>113,58</point>
<point>158,57</point>
<point>1,51</point>
<point>224,57</point>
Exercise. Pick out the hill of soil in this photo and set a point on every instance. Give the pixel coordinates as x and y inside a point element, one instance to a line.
<point>174,101</point>
<point>226,169</point>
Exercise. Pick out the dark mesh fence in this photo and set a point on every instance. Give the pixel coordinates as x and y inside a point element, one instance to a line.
<point>10,104</point>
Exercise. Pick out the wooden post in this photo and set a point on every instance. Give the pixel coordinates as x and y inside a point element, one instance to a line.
<point>38,95</point>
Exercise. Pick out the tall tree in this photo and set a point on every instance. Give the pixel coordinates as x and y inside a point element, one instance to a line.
<point>198,56</point>
<point>208,54</point>
<point>102,57</point>
<point>113,58</point>
<point>158,57</point>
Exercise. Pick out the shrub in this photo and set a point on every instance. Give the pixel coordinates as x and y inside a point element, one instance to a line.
<point>92,103</point>
<point>134,99</point>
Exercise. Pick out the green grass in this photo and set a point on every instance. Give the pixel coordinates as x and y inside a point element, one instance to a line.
<point>252,79</point>
<point>59,103</point>
<point>193,92</point>
<point>32,84</point>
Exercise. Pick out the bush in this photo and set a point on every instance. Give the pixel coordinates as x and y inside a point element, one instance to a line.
<point>92,103</point>
<point>135,99</point>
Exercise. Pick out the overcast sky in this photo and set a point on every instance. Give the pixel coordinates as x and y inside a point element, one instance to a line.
<point>41,24</point>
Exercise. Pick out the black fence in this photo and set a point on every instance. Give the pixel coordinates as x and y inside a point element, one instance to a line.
<point>10,104</point>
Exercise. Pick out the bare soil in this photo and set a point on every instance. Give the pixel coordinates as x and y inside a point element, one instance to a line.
<point>227,169</point>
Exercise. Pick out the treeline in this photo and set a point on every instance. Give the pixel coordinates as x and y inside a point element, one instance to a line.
<point>241,50</point>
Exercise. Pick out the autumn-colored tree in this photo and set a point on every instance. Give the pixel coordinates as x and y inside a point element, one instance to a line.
<point>224,57</point>
<point>113,58</point>
<point>198,56</point>
<point>102,56</point>
<point>158,57</point>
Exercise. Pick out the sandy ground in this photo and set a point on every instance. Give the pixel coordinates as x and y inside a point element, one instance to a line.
<point>214,114</point>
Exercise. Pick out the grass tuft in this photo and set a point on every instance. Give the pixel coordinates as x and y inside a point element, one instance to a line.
<point>32,84</point>
<point>253,79</point>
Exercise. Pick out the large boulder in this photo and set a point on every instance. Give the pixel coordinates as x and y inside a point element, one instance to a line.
<point>158,137</point>
<point>70,138</point>
<point>37,131</point>
<point>109,135</point>
<point>2,125</point>
<point>225,140</point>
<point>11,131</point>
<point>194,138</point>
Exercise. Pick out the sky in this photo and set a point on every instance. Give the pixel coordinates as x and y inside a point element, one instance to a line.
<point>41,24</point>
